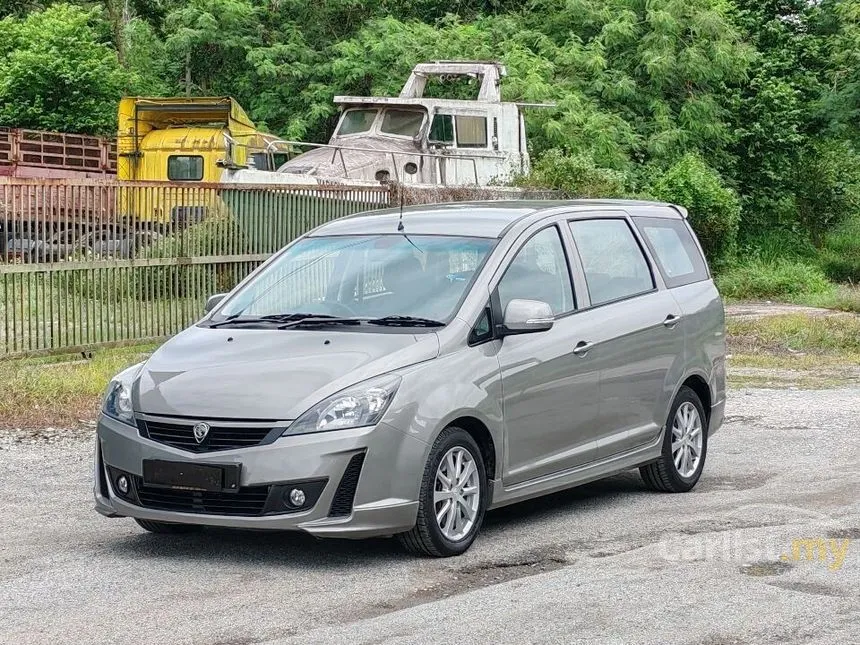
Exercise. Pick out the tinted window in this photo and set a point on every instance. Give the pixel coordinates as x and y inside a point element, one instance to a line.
<point>675,250</point>
<point>539,272</point>
<point>612,259</point>
<point>442,129</point>
<point>471,132</point>
<point>184,168</point>
<point>355,121</point>
<point>405,123</point>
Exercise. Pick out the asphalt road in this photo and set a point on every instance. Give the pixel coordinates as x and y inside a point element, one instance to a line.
<point>605,563</point>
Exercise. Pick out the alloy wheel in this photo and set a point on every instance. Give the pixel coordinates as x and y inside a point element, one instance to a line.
<point>687,439</point>
<point>457,493</point>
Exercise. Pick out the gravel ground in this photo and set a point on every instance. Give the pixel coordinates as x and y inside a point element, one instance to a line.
<point>605,563</point>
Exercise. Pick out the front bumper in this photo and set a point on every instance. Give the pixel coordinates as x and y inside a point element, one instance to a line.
<point>384,503</point>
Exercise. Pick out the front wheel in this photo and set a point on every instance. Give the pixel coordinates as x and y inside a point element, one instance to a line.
<point>453,497</point>
<point>685,444</point>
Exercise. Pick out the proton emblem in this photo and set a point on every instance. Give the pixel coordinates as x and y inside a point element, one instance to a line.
<point>200,431</point>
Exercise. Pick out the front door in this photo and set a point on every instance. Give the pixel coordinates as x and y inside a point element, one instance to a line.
<point>550,394</point>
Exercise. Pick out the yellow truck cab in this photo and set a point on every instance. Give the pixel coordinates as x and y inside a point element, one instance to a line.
<point>191,140</point>
<point>187,139</point>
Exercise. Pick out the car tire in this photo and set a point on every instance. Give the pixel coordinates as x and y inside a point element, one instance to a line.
<point>671,473</point>
<point>439,537</point>
<point>167,528</point>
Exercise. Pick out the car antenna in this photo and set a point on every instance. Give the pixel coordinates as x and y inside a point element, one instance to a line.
<point>410,168</point>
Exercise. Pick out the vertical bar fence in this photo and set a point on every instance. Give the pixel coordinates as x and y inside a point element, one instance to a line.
<point>88,263</point>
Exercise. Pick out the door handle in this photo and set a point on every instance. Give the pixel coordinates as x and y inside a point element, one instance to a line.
<point>671,321</point>
<point>582,348</point>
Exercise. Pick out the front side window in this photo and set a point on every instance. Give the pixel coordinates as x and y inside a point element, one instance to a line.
<point>356,121</point>
<point>612,259</point>
<point>672,245</point>
<point>366,276</point>
<point>185,168</point>
<point>403,123</point>
<point>539,272</point>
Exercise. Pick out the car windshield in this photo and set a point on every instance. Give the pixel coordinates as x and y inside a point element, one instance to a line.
<point>364,276</point>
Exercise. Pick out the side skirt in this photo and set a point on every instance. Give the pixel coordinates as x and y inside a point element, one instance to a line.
<point>592,471</point>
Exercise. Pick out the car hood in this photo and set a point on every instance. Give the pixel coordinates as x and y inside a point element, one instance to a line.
<point>267,374</point>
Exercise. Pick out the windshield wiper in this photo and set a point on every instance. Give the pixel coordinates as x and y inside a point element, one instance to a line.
<point>270,319</point>
<point>406,321</point>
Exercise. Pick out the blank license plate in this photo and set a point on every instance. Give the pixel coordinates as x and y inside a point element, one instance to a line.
<point>185,476</point>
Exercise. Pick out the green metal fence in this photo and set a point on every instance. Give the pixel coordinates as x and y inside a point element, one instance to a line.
<point>93,263</point>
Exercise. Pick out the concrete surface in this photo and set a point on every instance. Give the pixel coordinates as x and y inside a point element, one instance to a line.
<point>605,563</point>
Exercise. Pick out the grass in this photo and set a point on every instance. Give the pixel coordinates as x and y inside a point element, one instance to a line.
<point>826,335</point>
<point>794,350</point>
<point>59,391</point>
<point>775,351</point>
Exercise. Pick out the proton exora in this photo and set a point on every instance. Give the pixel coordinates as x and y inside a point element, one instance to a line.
<point>401,373</point>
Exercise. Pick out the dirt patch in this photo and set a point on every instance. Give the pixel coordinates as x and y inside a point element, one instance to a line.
<point>852,533</point>
<point>762,569</point>
<point>811,588</point>
<point>456,581</point>
<point>756,310</point>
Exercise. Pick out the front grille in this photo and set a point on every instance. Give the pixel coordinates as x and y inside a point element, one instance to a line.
<point>341,503</point>
<point>248,501</point>
<point>219,437</point>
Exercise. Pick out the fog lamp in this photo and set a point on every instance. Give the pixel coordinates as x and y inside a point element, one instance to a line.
<point>297,497</point>
<point>122,484</point>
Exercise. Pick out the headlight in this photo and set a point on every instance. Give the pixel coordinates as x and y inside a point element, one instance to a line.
<point>118,402</point>
<point>355,407</point>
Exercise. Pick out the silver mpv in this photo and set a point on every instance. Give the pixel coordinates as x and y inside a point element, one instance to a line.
<point>402,373</point>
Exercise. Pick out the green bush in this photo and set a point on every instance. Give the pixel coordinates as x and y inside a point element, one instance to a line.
<point>577,175</point>
<point>714,209</point>
<point>781,278</point>
<point>840,254</point>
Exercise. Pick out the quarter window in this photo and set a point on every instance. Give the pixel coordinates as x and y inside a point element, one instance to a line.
<point>184,168</point>
<point>675,250</point>
<point>612,259</point>
<point>539,272</point>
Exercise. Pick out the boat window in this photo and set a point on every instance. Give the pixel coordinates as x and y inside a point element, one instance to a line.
<point>405,123</point>
<point>355,121</point>
<point>471,131</point>
<point>442,129</point>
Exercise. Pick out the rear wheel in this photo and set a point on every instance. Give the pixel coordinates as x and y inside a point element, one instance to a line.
<point>453,497</point>
<point>167,528</point>
<point>685,444</point>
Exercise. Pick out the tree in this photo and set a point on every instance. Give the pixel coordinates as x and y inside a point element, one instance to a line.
<point>58,71</point>
<point>211,39</point>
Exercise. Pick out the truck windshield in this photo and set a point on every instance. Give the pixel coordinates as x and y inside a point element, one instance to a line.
<point>357,121</point>
<point>365,276</point>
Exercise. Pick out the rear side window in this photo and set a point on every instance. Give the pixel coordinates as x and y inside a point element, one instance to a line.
<point>614,264</point>
<point>675,250</point>
<point>184,168</point>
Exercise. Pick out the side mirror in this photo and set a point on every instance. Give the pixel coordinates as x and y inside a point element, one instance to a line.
<point>213,301</point>
<point>526,317</point>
